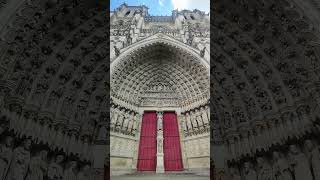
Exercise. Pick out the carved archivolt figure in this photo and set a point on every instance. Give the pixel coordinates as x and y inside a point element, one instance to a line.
<point>38,166</point>
<point>281,167</point>
<point>70,173</point>
<point>234,174</point>
<point>314,157</point>
<point>55,170</point>
<point>300,164</point>
<point>85,173</point>
<point>264,169</point>
<point>249,173</point>
<point>5,156</point>
<point>20,161</point>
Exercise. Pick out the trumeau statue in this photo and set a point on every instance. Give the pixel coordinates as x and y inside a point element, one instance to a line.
<point>5,156</point>
<point>299,163</point>
<point>20,161</point>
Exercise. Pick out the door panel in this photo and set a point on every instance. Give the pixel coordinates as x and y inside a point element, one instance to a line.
<point>171,144</point>
<point>147,157</point>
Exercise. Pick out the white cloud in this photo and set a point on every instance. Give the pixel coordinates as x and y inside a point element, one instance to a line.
<point>202,5</point>
<point>161,2</point>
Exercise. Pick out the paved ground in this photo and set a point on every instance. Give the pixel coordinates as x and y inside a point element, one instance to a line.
<point>160,177</point>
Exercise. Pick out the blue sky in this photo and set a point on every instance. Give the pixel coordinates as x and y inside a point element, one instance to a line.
<point>165,7</point>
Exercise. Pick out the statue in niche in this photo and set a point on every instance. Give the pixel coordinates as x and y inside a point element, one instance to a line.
<point>249,173</point>
<point>85,173</point>
<point>190,39</point>
<point>299,163</point>
<point>55,170</point>
<point>314,157</point>
<point>281,167</point>
<point>264,170</point>
<point>38,166</point>
<point>234,174</point>
<point>129,39</point>
<point>20,161</point>
<point>71,172</point>
<point>67,106</point>
<point>159,120</point>
<point>5,156</point>
<point>102,133</point>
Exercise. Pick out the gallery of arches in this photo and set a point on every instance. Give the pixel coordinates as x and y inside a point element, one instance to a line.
<point>91,93</point>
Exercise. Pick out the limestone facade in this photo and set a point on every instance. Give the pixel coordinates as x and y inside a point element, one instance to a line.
<point>159,63</point>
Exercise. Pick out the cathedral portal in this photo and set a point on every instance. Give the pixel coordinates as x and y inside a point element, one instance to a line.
<point>159,91</point>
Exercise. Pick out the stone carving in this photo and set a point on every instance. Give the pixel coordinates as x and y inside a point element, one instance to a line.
<point>264,57</point>
<point>249,172</point>
<point>5,156</point>
<point>20,162</point>
<point>313,155</point>
<point>281,167</point>
<point>70,173</point>
<point>234,174</point>
<point>300,164</point>
<point>265,170</point>
<point>55,170</point>
<point>116,50</point>
<point>202,52</point>
<point>38,166</point>
<point>85,173</point>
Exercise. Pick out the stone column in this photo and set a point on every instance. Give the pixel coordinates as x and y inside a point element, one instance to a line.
<point>137,125</point>
<point>160,155</point>
<point>181,124</point>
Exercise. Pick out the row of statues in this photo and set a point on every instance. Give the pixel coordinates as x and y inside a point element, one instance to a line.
<point>124,121</point>
<point>294,163</point>
<point>69,141</point>
<point>30,161</point>
<point>196,119</point>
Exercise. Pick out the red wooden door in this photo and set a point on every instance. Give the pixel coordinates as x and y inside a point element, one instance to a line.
<point>147,157</point>
<point>171,144</point>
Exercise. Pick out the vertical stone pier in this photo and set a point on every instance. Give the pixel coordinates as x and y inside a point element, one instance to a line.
<point>160,154</point>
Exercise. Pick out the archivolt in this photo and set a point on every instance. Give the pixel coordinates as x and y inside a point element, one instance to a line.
<point>162,60</point>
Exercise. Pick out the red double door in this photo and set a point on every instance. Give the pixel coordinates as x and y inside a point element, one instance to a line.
<point>147,157</point>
